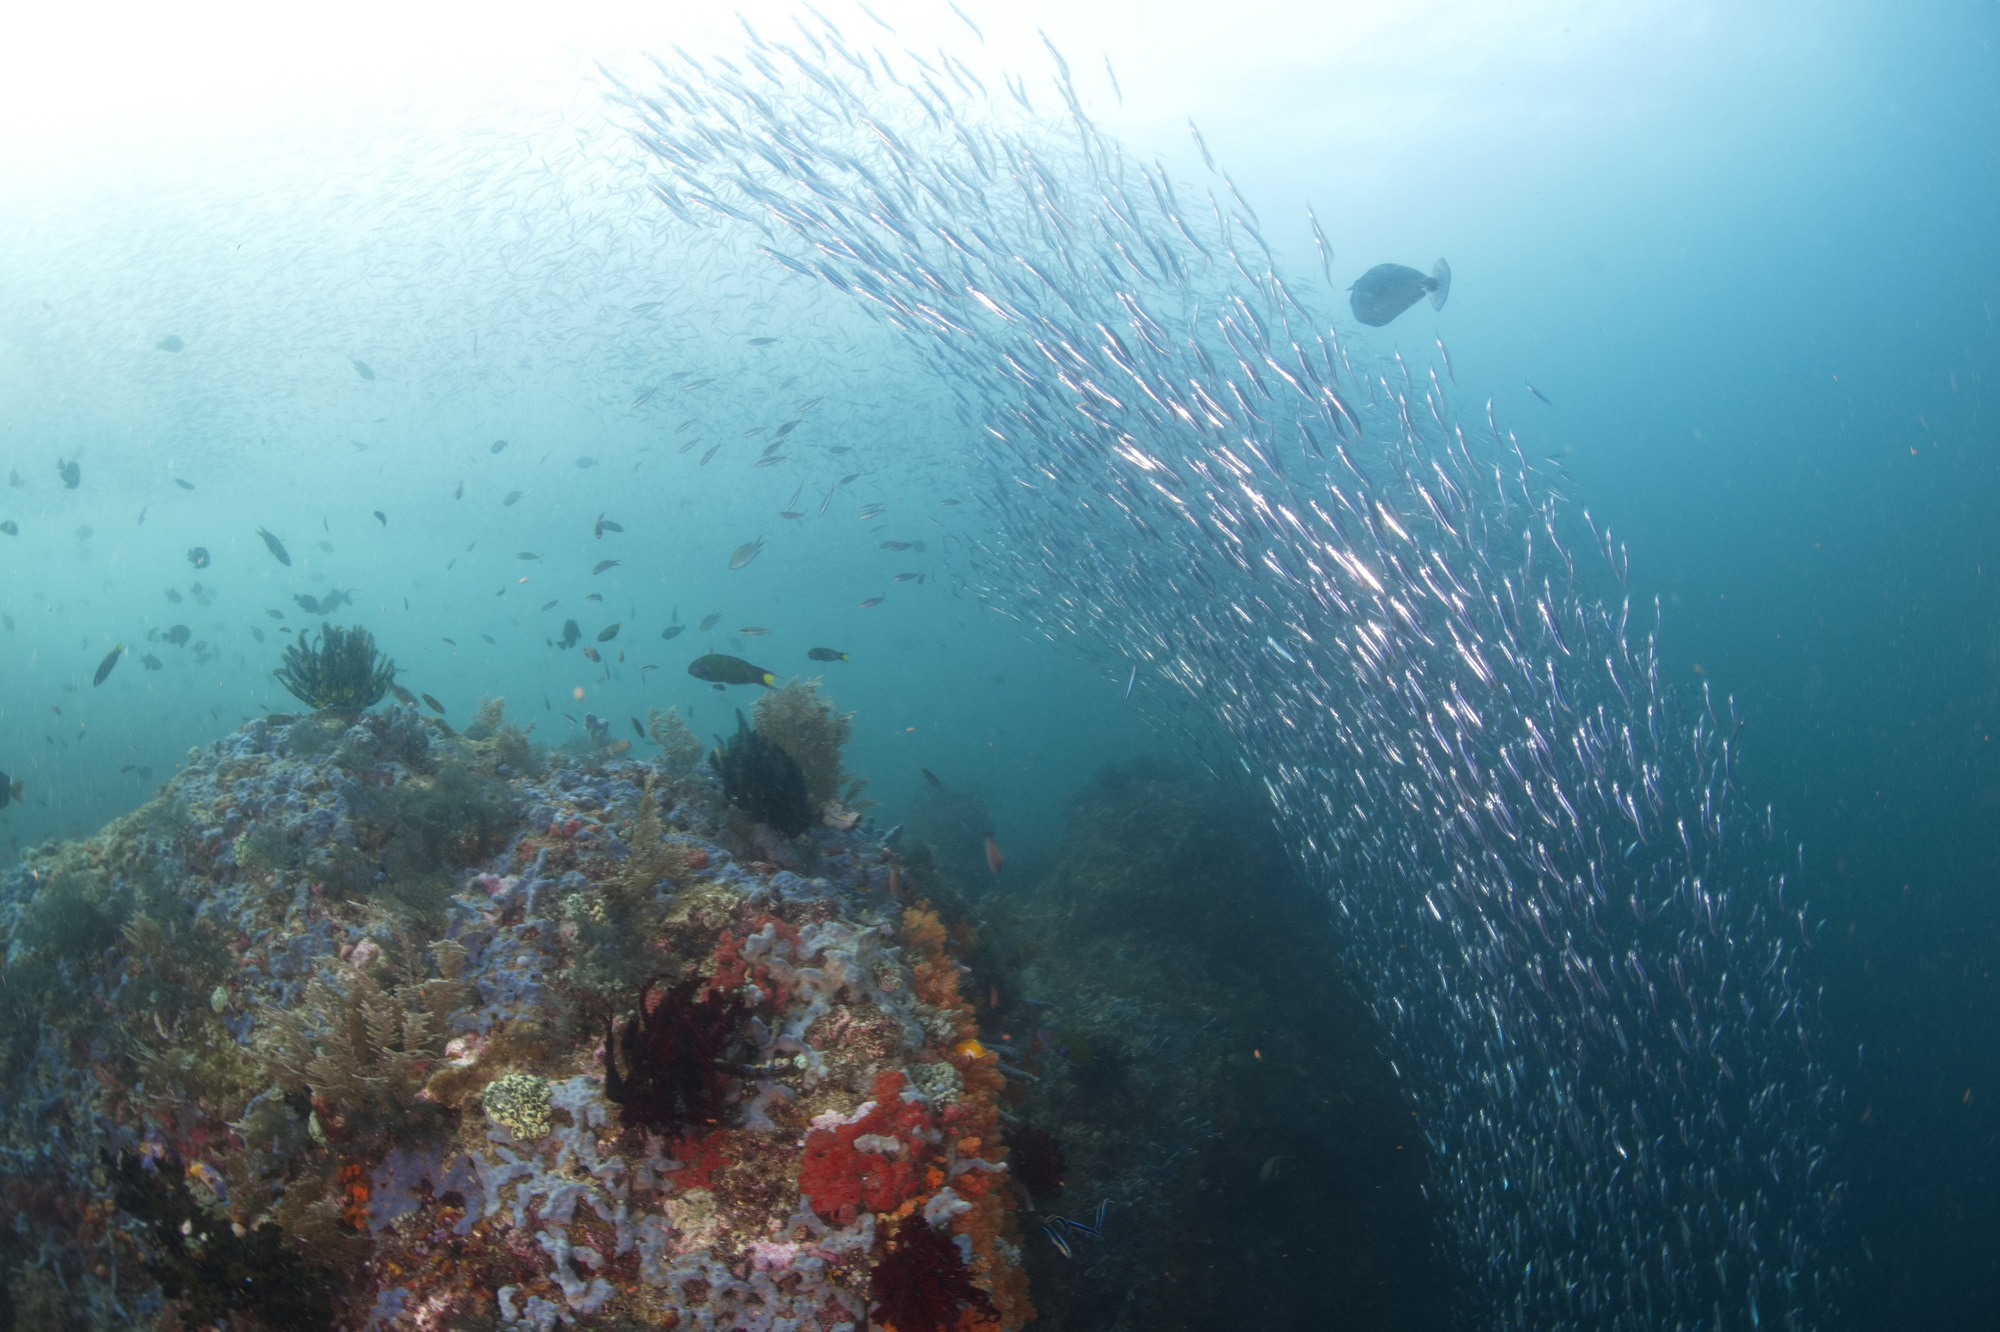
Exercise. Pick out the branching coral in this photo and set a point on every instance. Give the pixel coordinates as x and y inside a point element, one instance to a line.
<point>921,1283</point>
<point>804,725</point>
<point>342,670</point>
<point>679,750</point>
<point>764,781</point>
<point>363,1050</point>
<point>615,924</point>
<point>673,1048</point>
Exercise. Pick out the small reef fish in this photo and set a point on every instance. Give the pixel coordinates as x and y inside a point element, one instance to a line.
<point>496,446</point>
<point>753,631</point>
<point>917,546</point>
<point>603,525</point>
<point>673,631</point>
<point>745,553</point>
<point>551,605</point>
<point>184,485</point>
<point>994,860</point>
<point>179,635</point>
<point>602,565</point>
<point>198,556</point>
<point>908,578</point>
<point>936,782</point>
<point>526,555</point>
<point>274,613</point>
<point>762,342</point>
<point>1539,394</point>
<point>275,546</point>
<point>791,513</point>
<point>826,654</point>
<point>637,729</point>
<point>381,517</point>
<point>71,474</point>
<point>592,654</point>
<point>10,790</point>
<point>585,463</point>
<point>403,696</point>
<point>152,663</point>
<point>1386,290</point>
<point>609,632</point>
<point>104,667</point>
<point>435,706</point>
<point>873,511</point>
<point>363,369</point>
<point>1131,680</point>
<point>719,669</point>
<point>170,343</point>
<point>513,496</point>
<point>571,634</point>
<point>873,602</point>
<point>709,622</point>
<point>10,527</point>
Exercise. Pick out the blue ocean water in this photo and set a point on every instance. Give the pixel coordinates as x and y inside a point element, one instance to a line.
<point>1745,259</point>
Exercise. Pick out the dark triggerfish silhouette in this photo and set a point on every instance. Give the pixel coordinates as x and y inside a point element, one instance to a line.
<point>1386,290</point>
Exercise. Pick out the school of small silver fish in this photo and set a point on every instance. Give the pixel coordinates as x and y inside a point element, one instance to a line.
<point>1581,941</point>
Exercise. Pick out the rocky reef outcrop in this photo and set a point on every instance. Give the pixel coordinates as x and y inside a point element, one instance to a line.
<point>364,1023</point>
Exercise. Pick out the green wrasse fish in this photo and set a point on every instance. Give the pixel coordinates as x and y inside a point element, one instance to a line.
<point>720,669</point>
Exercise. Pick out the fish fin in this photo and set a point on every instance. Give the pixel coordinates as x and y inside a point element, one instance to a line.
<point>770,680</point>
<point>1441,277</point>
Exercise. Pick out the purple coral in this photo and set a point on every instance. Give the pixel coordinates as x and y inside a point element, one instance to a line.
<point>673,1050</point>
<point>921,1282</point>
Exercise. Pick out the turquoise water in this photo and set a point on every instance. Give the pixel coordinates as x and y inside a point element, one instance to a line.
<point>1745,259</point>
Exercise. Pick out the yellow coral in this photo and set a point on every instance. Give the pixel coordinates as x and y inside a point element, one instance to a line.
<point>804,725</point>
<point>679,750</point>
<point>519,1103</point>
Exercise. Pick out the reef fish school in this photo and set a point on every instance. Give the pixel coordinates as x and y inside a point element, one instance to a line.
<point>1583,941</point>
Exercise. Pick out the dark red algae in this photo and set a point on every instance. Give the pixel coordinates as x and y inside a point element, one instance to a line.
<point>921,1282</point>
<point>671,1049</point>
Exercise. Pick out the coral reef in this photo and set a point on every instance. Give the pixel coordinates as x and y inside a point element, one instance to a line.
<point>763,780</point>
<point>318,1038</point>
<point>341,671</point>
